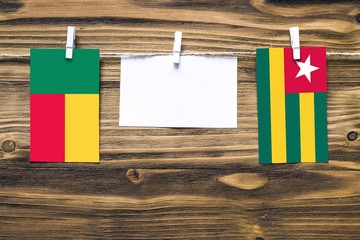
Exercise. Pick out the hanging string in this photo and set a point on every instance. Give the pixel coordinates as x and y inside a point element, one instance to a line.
<point>129,54</point>
<point>182,53</point>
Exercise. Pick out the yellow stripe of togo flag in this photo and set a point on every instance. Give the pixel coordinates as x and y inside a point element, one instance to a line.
<point>81,127</point>
<point>277,105</point>
<point>307,127</point>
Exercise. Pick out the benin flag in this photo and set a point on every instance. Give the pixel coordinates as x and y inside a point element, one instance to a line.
<point>292,105</point>
<point>64,105</point>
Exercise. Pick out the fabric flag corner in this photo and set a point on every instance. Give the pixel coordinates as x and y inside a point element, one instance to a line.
<point>292,118</point>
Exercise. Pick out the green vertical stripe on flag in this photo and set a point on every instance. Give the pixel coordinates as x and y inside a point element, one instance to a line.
<point>321,138</point>
<point>263,96</point>
<point>292,128</point>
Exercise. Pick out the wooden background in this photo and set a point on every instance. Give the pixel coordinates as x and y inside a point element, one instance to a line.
<point>180,183</point>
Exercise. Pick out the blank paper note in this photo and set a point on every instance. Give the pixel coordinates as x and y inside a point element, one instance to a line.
<point>200,92</point>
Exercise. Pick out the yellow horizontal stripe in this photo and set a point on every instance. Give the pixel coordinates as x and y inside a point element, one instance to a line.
<point>82,128</point>
<point>277,104</point>
<point>307,127</point>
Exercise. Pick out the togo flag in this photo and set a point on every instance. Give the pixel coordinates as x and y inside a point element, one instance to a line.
<point>292,105</point>
<point>64,105</point>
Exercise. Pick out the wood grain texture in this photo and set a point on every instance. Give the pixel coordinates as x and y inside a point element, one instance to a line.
<point>166,183</point>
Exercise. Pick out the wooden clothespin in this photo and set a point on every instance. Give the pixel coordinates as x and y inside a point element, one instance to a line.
<point>295,42</point>
<point>177,47</point>
<point>70,42</point>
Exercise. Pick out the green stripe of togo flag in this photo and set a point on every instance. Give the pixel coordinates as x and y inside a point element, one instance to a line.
<point>263,97</point>
<point>292,111</point>
<point>321,139</point>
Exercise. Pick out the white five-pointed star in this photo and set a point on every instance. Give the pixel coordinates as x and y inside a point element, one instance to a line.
<point>306,69</point>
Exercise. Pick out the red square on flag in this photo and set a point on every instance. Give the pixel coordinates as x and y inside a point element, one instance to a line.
<point>307,74</point>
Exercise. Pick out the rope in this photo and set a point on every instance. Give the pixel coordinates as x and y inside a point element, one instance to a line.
<point>127,54</point>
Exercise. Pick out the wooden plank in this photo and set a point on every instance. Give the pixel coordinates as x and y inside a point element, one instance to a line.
<point>179,183</point>
<point>49,201</point>
<point>149,25</point>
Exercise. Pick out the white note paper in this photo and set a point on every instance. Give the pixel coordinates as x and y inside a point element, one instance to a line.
<point>200,92</point>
